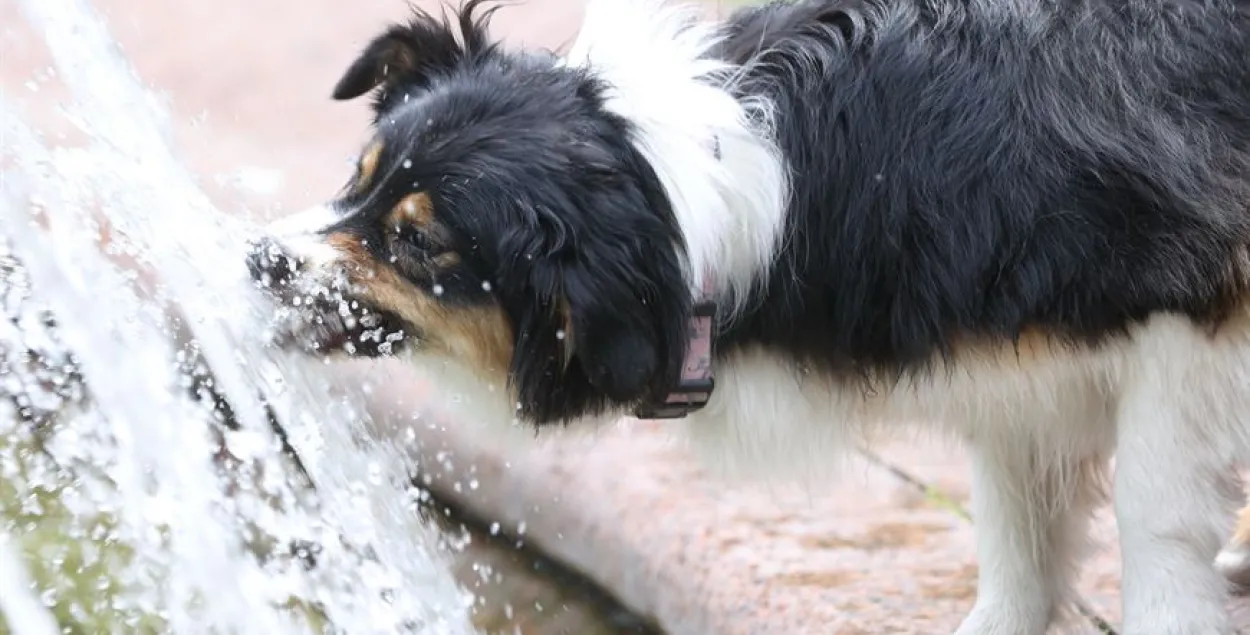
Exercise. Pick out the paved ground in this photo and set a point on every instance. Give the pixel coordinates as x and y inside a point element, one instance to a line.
<point>248,83</point>
<point>521,592</point>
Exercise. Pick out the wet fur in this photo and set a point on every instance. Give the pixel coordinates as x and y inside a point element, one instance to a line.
<point>1023,223</point>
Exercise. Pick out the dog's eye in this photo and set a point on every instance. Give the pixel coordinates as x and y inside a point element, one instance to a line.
<point>412,238</point>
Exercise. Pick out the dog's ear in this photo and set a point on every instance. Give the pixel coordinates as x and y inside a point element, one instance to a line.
<point>601,315</point>
<point>387,59</point>
<point>610,331</point>
<point>412,52</point>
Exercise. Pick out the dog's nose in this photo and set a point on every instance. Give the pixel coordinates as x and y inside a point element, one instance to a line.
<point>270,264</point>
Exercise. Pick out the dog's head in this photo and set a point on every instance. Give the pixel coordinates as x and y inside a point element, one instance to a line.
<point>499,218</point>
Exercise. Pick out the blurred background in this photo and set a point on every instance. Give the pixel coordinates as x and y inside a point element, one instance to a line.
<point>248,83</point>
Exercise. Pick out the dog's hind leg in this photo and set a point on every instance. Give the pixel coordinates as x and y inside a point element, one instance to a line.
<point>1031,514</point>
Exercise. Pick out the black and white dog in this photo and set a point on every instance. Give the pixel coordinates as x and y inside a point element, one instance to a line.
<point>1024,223</point>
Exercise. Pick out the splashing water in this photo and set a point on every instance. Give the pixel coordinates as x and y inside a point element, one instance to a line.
<point>112,496</point>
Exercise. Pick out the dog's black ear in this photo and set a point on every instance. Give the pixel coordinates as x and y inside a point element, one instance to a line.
<point>613,335</point>
<point>389,57</point>
<point>601,317</point>
<point>412,52</point>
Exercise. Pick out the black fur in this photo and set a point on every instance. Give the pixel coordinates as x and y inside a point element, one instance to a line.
<point>545,200</point>
<point>962,171</point>
<point>973,170</point>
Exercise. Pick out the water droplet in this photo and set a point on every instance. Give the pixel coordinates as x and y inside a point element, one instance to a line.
<point>162,450</point>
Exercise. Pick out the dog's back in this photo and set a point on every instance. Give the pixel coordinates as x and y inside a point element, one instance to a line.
<point>985,168</point>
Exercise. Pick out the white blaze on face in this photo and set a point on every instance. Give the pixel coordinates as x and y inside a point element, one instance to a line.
<point>301,236</point>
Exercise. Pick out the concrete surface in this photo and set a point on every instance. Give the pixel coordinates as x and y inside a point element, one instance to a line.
<point>518,591</point>
<point>248,84</point>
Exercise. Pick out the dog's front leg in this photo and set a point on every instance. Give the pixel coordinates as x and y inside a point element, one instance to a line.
<point>1172,494</point>
<point>1031,522</point>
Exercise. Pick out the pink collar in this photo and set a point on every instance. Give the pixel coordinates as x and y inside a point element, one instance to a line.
<point>694,386</point>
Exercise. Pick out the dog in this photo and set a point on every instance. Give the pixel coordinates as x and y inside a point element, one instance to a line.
<point>1023,224</point>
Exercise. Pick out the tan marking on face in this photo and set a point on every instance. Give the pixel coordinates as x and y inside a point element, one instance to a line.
<point>479,335</point>
<point>446,260</point>
<point>415,210</point>
<point>368,166</point>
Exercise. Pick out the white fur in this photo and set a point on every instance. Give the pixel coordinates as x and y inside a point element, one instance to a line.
<point>305,222</point>
<point>653,55</point>
<point>1166,401</point>
<point>299,236</point>
<point>1233,562</point>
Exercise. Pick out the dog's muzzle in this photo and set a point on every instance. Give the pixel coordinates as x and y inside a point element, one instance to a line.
<point>271,265</point>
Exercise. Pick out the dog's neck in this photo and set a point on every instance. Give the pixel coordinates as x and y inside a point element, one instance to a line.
<point>711,149</point>
<point>694,386</point>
